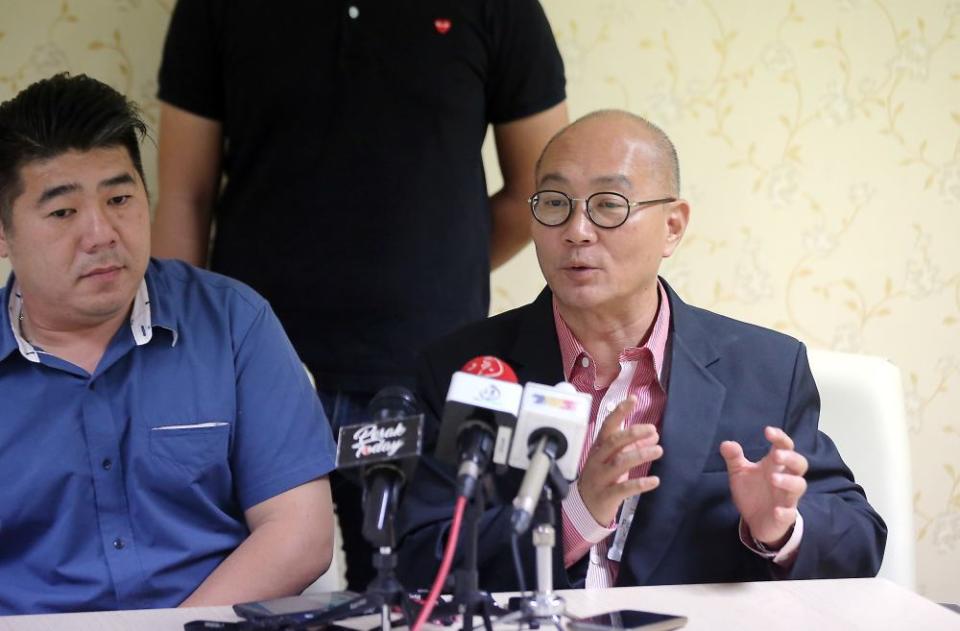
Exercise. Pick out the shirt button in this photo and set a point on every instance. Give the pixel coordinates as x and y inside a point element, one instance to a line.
<point>107,464</point>
<point>585,362</point>
<point>353,12</point>
<point>594,558</point>
<point>610,406</point>
<point>118,543</point>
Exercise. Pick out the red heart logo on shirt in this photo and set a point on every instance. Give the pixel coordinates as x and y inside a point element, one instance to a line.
<point>442,25</point>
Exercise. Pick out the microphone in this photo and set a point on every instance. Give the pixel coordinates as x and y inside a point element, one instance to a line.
<point>385,451</point>
<point>478,419</point>
<point>550,431</point>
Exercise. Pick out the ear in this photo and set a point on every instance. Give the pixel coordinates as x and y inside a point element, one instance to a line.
<point>678,214</point>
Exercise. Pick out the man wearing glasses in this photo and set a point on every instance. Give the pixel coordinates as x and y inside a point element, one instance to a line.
<point>703,462</point>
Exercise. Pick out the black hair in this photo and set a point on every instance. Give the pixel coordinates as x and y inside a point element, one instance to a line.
<point>60,114</point>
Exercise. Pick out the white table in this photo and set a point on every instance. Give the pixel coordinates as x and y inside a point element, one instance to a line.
<point>871,604</point>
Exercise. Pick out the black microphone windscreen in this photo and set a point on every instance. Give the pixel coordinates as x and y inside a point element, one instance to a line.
<point>393,402</point>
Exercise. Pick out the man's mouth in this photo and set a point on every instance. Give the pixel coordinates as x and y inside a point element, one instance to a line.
<point>103,270</point>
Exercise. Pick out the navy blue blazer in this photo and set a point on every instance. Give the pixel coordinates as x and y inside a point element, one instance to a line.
<point>727,380</point>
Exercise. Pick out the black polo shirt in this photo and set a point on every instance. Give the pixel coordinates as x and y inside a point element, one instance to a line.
<point>355,198</point>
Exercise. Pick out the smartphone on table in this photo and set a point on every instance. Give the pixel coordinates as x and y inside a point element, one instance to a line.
<point>628,620</point>
<point>307,603</point>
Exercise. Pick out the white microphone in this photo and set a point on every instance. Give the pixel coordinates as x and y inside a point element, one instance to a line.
<point>478,419</point>
<point>551,428</point>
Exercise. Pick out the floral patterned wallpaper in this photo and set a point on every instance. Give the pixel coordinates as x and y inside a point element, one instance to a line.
<point>819,144</point>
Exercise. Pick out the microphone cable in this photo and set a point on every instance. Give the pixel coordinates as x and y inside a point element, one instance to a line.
<point>441,577</point>
<point>517,565</point>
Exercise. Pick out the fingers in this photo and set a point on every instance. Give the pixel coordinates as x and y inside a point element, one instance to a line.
<point>603,483</point>
<point>778,438</point>
<point>732,454</point>
<point>617,468</point>
<point>792,487</point>
<point>611,439</point>
<point>603,502</point>
<point>615,494</point>
<point>780,458</point>
<point>637,486</point>
<point>614,420</point>
<point>635,436</point>
<point>789,461</point>
<point>643,435</point>
<point>626,460</point>
<point>785,468</point>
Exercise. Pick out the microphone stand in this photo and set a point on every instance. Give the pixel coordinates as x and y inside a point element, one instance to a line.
<point>382,485</point>
<point>468,599</point>
<point>385,591</point>
<point>545,606</point>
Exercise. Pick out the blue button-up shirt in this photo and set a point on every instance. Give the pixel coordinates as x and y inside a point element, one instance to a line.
<point>125,488</point>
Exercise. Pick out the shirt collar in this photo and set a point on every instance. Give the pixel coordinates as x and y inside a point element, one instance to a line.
<point>157,295</point>
<point>572,350</point>
<point>7,341</point>
<point>143,318</point>
<point>14,311</point>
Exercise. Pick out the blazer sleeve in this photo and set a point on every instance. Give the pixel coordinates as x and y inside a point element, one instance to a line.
<point>843,535</point>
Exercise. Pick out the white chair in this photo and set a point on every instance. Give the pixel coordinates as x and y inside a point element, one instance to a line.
<point>862,410</point>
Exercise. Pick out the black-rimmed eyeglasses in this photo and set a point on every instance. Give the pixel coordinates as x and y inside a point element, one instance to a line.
<point>604,209</point>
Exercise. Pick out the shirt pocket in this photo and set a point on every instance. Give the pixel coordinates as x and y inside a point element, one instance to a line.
<point>191,449</point>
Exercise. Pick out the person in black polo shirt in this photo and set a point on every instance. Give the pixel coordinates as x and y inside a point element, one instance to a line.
<point>354,200</point>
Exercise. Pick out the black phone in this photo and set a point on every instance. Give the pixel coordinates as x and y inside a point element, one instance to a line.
<point>628,620</point>
<point>312,603</point>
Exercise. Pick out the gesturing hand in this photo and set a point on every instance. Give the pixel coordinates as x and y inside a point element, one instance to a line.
<point>767,492</point>
<point>603,483</point>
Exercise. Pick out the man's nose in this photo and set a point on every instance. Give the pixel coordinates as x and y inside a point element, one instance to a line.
<point>579,228</point>
<point>99,229</point>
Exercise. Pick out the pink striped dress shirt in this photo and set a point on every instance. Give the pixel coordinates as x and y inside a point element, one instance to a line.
<point>640,370</point>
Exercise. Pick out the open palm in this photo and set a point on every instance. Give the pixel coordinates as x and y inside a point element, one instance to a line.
<point>767,492</point>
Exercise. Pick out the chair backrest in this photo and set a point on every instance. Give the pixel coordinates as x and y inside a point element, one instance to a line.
<point>335,578</point>
<point>862,410</point>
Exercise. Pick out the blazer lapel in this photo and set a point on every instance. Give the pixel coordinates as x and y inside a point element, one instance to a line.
<point>535,355</point>
<point>694,402</point>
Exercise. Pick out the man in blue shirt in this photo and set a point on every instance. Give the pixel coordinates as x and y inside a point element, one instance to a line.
<point>160,443</point>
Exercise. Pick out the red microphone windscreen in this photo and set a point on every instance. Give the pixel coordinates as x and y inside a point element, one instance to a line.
<point>491,367</point>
